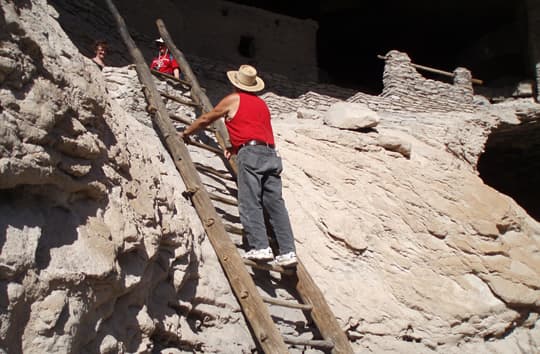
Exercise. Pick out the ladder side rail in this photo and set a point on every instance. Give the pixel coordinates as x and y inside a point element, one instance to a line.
<point>321,313</point>
<point>198,95</point>
<point>241,282</point>
<point>309,292</point>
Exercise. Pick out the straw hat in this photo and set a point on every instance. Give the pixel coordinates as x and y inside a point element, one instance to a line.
<point>246,79</point>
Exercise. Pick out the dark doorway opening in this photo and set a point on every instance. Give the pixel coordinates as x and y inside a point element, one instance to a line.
<point>511,164</point>
<point>246,46</point>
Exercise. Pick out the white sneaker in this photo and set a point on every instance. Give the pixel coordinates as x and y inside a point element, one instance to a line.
<point>286,260</point>
<point>264,254</point>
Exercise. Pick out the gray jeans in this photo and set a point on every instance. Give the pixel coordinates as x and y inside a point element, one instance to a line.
<point>259,186</point>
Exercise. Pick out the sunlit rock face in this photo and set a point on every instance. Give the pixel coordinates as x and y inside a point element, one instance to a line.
<point>99,250</point>
<point>101,253</point>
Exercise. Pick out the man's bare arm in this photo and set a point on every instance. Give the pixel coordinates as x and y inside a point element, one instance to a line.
<point>222,109</point>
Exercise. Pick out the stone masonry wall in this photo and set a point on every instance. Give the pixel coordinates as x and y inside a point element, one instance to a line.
<point>405,90</point>
<point>230,32</point>
<point>410,91</point>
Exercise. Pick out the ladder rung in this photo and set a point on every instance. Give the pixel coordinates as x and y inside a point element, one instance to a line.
<point>206,147</point>
<point>179,99</point>
<point>263,327</point>
<point>180,119</point>
<point>319,343</point>
<point>158,73</point>
<point>267,266</point>
<point>188,122</point>
<point>223,200</point>
<point>213,171</point>
<point>233,229</point>
<point>285,303</point>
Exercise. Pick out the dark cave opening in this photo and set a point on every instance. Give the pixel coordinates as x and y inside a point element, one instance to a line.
<point>511,164</point>
<point>488,37</point>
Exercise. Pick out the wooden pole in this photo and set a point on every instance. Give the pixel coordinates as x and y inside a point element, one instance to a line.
<point>216,151</point>
<point>321,313</point>
<point>198,95</point>
<point>207,169</point>
<point>196,92</point>
<point>285,303</point>
<point>172,77</point>
<point>325,344</point>
<point>308,290</point>
<point>187,121</point>
<point>178,99</point>
<point>436,71</point>
<point>223,200</point>
<point>242,284</point>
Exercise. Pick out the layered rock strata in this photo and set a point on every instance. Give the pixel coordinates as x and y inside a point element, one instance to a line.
<point>100,252</point>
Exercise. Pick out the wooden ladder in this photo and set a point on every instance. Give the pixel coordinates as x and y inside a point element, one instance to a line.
<point>264,328</point>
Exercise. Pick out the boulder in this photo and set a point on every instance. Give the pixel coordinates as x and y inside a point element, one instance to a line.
<point>352,116</point>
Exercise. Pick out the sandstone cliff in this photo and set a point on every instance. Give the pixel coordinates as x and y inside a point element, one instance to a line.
<point>101,253</point>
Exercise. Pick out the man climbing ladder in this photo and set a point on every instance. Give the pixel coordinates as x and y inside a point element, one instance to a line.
<point>247,119</point>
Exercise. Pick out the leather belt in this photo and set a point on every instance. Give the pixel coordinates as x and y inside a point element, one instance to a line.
<point>256,142</point>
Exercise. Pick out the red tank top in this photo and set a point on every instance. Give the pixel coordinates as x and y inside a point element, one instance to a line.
<point>251,121</point>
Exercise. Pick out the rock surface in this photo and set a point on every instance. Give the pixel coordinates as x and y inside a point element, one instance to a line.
<point>101,253</point>
<point>351,116</point>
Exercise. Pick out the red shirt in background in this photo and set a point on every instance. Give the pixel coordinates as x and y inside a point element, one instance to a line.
<point>165,64</point>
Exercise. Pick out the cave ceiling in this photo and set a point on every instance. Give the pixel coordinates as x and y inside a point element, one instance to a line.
<point>487,37</point>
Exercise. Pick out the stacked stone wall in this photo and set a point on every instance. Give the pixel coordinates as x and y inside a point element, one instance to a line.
<point>405,90</point>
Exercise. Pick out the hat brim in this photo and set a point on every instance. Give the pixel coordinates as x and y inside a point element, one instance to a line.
<point>259,83</point>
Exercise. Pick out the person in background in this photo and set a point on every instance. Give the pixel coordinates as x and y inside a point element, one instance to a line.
<point>247,119</point>
<point>164,62</point>
<point>100,51</point>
